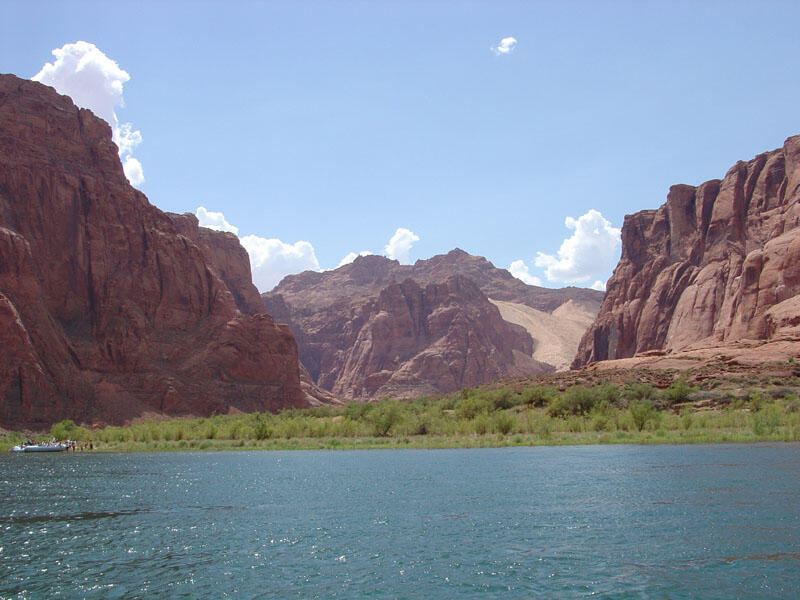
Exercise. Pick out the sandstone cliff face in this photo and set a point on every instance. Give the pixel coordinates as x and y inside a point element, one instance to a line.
<point>110,308</point>
<point>715,264</point>
<point>376,328</point>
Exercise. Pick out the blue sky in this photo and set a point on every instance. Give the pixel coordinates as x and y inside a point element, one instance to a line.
<point>337,123</point>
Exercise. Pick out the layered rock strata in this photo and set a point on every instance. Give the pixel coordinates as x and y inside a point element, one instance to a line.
<point>716,264</point>
<point>110,308</point>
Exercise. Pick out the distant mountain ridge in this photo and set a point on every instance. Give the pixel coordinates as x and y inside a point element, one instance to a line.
<point>377,328</point>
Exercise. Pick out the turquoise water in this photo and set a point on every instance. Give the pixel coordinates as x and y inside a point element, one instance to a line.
<point>713,521</point>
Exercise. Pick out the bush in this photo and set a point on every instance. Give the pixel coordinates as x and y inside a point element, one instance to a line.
<point>577,400</point>
<point>640,391</point>
<point>471,406</point>
<point>678,392</point>
<point>502,399</point>
<point>641,412</point>
<point>766,420</point>
<point>504,422</point>
<point>540,395</point>
<point>262,430</point>
<point>356,410</point>
<point>68,430</point>
<point>687,418</point>
<point>383,416</point>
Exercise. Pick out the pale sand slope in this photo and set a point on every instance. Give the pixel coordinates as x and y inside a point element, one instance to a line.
<point>555,335</point>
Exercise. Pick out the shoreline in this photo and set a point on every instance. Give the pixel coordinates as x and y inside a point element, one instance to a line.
<point>434,443</point>
<point>719,411</point>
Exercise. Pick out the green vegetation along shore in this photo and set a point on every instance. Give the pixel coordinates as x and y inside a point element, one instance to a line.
<point>604,413</point>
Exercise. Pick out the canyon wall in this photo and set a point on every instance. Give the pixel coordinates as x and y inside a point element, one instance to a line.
<point>715,264</point>
<point>110,308</point>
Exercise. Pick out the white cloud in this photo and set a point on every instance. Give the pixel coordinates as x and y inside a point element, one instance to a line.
<point>590,251</point>
<point>519,269</point>
<point>598,285</point>
<point>506,45</point>
<point>94,81</point>
<point>351,256</point>
<point>214,220</point>
<point>133,171</point>
<point>400,245</point>
<point>271,259</point>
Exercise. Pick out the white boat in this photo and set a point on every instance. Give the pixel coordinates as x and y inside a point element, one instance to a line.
<point>57,447</point>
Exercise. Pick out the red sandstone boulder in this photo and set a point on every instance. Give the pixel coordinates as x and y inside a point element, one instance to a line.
<point>110,308</point>
<point>715,264</point>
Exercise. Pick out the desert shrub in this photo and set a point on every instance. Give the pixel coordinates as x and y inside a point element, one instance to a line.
<point>481,424</point>
<point>503,423</point>
<point>640,391</point>
<point>600,422</point>
<point>68,430</point>
<point>575,423</point>
<point>678,392</point>
<point>608,393</point>
<point>577,400</point>
<point>641,412</point>
<point>502,399</point>
<point>766,420</point>
<point>384,415</point>
<point>540,395</point>
<point>471,406</point>
<point>356,410</point>
<point>756,400</point>
<point>419,426</point>
<point>687,418</point>
<point>261,427</point>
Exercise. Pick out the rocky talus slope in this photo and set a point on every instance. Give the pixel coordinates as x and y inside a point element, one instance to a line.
<point>110,308</point>
<point>716,267</point>
<point>376,328</point>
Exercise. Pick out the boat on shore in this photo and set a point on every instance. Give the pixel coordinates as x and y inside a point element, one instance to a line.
<point>41,447</point>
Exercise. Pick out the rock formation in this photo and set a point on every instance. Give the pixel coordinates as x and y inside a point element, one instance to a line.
<point>715,265</point>
<point>376,328</point>
<point>110,308</point>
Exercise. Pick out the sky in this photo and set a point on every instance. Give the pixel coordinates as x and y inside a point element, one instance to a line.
<point>518,131</point>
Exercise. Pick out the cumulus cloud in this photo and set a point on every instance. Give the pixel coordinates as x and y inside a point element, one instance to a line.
<point>351,256</point>
<point>506,45</point>
<point>520,270</point>
<point>590,251</point>
<point>94,81</point>
<point>214,220</point>
<point>598,285</point>
<point>271,259</point>
<point>400,245</point>
<point>133,171</point>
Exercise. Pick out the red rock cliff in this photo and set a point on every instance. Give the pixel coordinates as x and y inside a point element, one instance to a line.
<point>376,328</point>
<point>110,308</point>
<point>715,264</point>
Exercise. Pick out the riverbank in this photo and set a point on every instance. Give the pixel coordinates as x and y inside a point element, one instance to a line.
<point>638,413</point>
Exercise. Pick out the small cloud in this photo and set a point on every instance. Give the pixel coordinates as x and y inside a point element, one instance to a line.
<point>214,220</point>
<point>590,251</point>
<point>271,259</point>
<point>351,256</point>
<point>519,269</point>
<point>598,285</point>
<point>400,245</point>
<point>94,81</point>
<point>506,45</point>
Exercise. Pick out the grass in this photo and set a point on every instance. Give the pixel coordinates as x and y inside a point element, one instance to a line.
<point>474,418</point>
